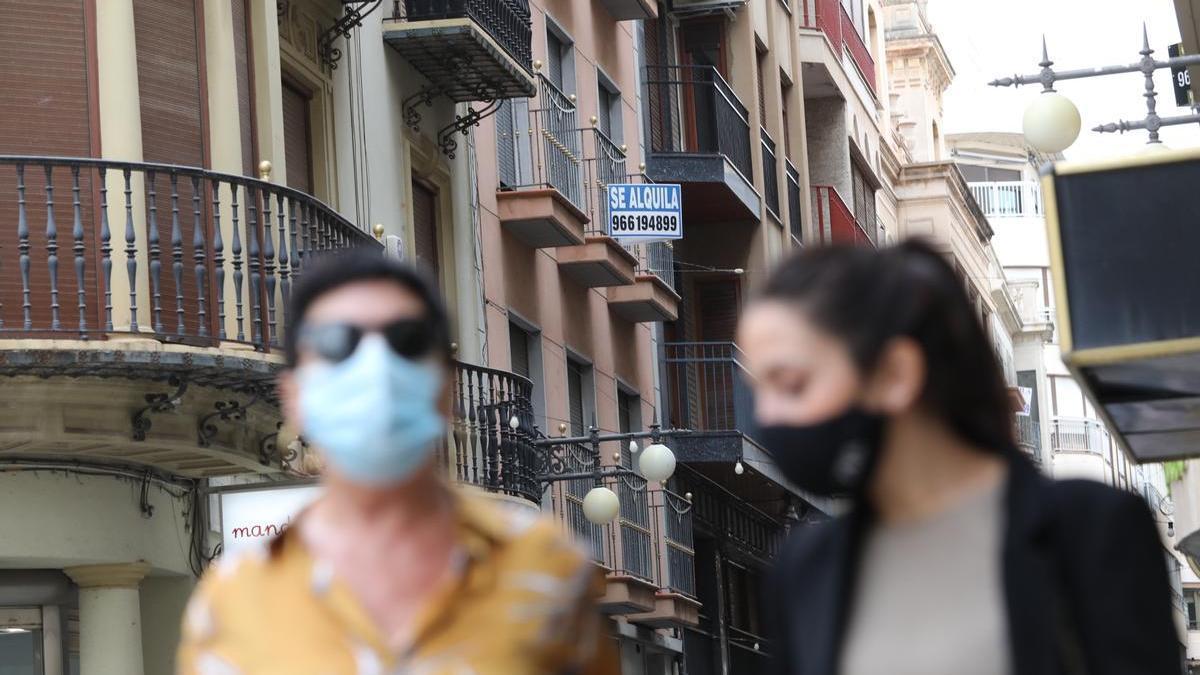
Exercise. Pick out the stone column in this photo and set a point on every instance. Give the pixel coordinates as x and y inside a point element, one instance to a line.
<point>110,618</point>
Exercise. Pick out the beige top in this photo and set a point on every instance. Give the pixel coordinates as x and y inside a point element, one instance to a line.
<point>930,596</point>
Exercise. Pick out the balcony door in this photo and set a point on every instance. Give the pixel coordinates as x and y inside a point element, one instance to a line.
<point>297,136</point>
<point>701,49</point>
<point>426,244</point>
<point>717,303</point>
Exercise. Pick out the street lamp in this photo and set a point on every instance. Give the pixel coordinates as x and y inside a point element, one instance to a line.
<point>601,505</point>
<point>1052,122</point>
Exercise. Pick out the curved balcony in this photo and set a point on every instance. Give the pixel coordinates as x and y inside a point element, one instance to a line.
<point>483,449</point>
<point>140,306</point>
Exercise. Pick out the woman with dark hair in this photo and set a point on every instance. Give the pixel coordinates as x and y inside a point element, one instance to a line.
<point>875,380</point>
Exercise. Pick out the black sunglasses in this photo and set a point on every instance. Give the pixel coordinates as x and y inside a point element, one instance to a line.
<point>335,342</point>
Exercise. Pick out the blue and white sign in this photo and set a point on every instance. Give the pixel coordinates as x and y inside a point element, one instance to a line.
<point>645,211</point>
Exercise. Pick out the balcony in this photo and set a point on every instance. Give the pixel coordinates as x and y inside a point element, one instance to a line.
<point>708,391</point>
<point>469,50</point>
<point>795,209</point>
<point>835,223</point>
<point>652,296</point>
<point>1029,436</point>
<point>142,307</point>
<point>675,602</point>
<point>631,10</point>
<point>830,17</point>
<point>1009,199</point>
<point>539,149</point>
<point>700,138</point>
<point>482,449</point>
<point>1079,435</point>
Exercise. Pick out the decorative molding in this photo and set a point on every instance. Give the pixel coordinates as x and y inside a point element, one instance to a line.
<point>119,575</point>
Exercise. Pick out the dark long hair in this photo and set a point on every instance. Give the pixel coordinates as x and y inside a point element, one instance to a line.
<point>866,298</point>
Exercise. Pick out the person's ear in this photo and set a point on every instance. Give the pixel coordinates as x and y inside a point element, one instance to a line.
<point>898,381</point>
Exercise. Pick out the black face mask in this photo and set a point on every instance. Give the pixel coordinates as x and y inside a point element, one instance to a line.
<point>833,458</point>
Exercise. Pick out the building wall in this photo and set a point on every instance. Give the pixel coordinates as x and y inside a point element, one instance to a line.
<point>827,132</point>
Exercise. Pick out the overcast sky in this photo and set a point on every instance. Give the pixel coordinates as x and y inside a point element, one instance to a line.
<point>986,39</point>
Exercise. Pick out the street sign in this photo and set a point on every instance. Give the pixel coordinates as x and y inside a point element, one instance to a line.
<point>645,211</point>
<point>1180,78</point>
<point>257,515</point>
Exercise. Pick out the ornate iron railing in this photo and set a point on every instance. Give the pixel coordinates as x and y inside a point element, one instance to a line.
<point>1078,435</point>
<point>694,110</point>
<point>707,387</point>
<point>483,448</point>
<point>674,541</point>
<point>540,144</point>
<point>507,21</point>
<point>770,174</point>
<point>95,247</point>
<point>795,215</point>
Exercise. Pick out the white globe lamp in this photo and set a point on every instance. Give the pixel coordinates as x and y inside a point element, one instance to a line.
<point>657,463</point>
<point>601,505</point>
<point>1051,122</point>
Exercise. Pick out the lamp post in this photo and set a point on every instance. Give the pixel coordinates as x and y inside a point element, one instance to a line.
<point>601,505</point>
<point>1052,122</point>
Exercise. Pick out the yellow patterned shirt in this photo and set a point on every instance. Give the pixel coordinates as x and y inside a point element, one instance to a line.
<point>521,603</point>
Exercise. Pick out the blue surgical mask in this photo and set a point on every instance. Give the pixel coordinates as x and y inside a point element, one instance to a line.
<point>375,414</point>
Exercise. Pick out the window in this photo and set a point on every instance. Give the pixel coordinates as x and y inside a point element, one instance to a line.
<point>525,348</point>
<point>560,59</point>
<point>580,399</point>
<point>988,174</point>
<point>1191,596</point>
<point>864,200</point>
<point>608,110</point>
<point>785,91</point>
<point>1068,399</point>
<point>628,420</point>
<point>762,89</point>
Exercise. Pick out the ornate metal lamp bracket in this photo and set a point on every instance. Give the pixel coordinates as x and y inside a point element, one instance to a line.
<point>578,458</point>
<point>352,18</point>
<point>463,123</point>
<point>226,411</point>
<point>157,403</point>
<point>412,104</point>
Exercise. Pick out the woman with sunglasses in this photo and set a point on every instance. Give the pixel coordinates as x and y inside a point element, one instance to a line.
<point>392,569</point>
<point>874,380</point>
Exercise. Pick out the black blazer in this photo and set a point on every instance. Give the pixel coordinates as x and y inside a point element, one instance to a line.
<point>1085,584</point>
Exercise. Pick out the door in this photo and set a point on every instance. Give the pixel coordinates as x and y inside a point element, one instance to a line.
<point>297,136</point>
<point>426,244</point>
<point>701,51</point>
<point>718,302</point>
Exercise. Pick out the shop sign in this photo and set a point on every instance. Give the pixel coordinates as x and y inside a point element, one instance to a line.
<point>257,515</point>
<point>645,211</point>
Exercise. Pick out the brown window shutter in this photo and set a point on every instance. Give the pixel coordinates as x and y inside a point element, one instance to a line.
<point>44,110</point>
<point>518,346</point>
<point>425,230</point>
<point>170,84</point>
<point>762,89</point>
<point>245,89</point>
<point>297,137</point>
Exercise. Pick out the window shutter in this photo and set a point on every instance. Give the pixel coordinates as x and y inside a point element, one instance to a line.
<point>518,345</point>
<point>243,63</point>
<point>575,396</point>
<point>297,138</point>
<point>554,59</point>
<point>425,234</point>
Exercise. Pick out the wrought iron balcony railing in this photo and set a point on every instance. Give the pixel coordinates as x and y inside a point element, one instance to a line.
<point>725,515</point>
<point>707,387</point>
<point>506,21</point>
<point>483,448</point>
<point>770,174</point>
<point>1079,435</point>
<point>1008,198</point>
<point>835,221</point>
<point>540,144</point>
<point>674,542</point>
<point>693,110</point>
<point>795,216</point>
<point>95,247</point>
